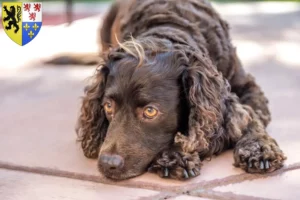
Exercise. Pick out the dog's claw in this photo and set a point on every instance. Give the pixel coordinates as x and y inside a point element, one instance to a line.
<point>185,173</point>
<point>166,172</point>
<point>250,164</point>
<point>267,164</point>
<point>262,166</point>
<point>196,170</point>
<point>192,173</point>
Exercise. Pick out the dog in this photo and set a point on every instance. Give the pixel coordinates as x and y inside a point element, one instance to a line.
<point>170,92</point>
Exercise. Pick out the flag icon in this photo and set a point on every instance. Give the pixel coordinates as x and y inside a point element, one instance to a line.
<point>22,21</point>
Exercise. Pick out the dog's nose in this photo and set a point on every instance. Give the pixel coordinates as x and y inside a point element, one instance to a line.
<point>111,162</point>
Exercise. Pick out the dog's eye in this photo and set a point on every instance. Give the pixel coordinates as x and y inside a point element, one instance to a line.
<point>108,108</point>
<point>150,112</point>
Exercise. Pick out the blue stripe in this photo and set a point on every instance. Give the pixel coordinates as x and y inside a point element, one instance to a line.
<point>26,32</point>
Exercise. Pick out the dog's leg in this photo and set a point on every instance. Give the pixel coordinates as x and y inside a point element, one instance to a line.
<point>255,151</point>
<point>248,91</point>
<point>176,164</point>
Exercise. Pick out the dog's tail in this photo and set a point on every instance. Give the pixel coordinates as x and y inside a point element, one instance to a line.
<point>75,59</point>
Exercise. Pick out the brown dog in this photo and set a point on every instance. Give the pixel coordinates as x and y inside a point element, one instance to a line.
<point>170,91</point>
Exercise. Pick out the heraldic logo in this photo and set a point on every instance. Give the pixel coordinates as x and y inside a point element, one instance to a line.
<point>22,21</point>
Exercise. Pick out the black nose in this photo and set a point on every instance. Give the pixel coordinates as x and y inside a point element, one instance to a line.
<point>111,161</point>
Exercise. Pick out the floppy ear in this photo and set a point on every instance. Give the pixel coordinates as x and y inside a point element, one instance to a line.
<point>203,86</point>
<point>92,123</point>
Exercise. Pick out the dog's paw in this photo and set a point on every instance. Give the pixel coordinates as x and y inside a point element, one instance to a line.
<point>174,165</point>
<point>258,156</point>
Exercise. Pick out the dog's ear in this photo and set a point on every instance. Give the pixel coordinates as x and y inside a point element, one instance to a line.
<point>92,123</point>
<point>202,85</point>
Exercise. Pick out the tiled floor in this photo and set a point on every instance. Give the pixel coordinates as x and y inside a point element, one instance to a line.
<point>39,156</point>
<point>286,186</point>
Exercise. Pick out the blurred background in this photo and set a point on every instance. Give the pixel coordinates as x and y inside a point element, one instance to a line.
<point>254,20</point>
<point>39,104</point>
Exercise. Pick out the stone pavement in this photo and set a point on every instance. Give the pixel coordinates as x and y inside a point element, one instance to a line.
<point>39,156</point>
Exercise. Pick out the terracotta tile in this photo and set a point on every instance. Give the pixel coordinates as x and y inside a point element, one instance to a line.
<point>285,186</point>
<point>27,186</point>
<point>285,126</point>
<point>38,115</point>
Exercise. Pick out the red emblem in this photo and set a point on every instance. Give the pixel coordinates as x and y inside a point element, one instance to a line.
<point>37,7</point>
<point>32,16</point>
<point>27,7</point>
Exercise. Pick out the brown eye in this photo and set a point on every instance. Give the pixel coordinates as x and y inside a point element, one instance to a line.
<point>150,112</point>
<point>108,108</point>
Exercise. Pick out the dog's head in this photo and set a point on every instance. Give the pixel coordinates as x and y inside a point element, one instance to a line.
<point>140,98</point>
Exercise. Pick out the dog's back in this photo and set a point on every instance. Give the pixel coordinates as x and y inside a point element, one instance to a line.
<point>191,22</point>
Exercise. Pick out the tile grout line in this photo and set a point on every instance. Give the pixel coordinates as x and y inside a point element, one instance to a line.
<point>160,196</point>
<point>185,189</point>
<point>81,176</point>
<point>237,179</point>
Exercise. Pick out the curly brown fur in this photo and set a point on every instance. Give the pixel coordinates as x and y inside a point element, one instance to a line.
<point>92,123</point>
<point>182,63</point>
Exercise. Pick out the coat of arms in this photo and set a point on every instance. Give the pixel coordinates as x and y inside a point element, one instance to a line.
<point>22,21</point>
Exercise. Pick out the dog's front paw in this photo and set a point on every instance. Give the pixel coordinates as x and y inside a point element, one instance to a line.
<point>172,164</point>
<point>258,156</point>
